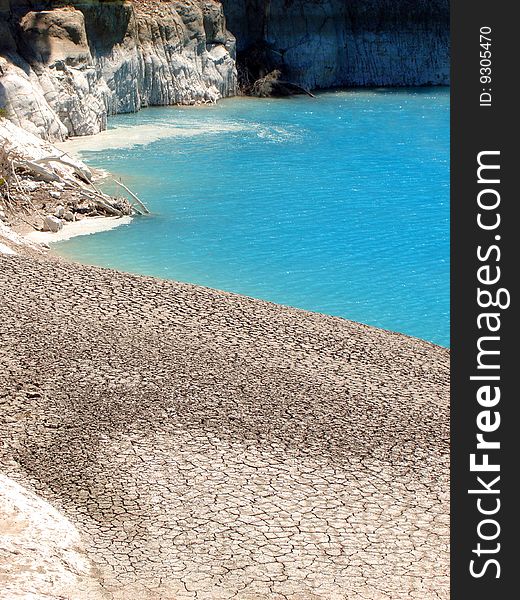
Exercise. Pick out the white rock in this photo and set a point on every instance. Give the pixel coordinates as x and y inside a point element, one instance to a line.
<point>45,553</point>
<point>4,249</point>
<point>52,223</point>
<point>7,233</point>
<point>31,186</point>
<point>56,195</point>
<point>60,210</point>
<point>182,55</point>
<point>19,142</point>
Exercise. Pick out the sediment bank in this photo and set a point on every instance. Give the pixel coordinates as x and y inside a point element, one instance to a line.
<point>208,445</point>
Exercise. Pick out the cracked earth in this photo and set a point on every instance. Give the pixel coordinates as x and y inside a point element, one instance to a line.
<point>211,446</point>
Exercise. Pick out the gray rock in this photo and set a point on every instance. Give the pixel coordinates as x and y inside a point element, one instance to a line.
<point>68,73</point>
<point>3,216</point>
<point>52,223</point>
<point>60,210</point>
<point>330,43</point>
<point>68,216</point>
<point>67,69</point>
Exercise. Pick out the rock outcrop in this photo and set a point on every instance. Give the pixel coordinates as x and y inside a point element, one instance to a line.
<point>329,43</point>
<point>41,553</point>
<point>66,66</point>
<point>42,187</point>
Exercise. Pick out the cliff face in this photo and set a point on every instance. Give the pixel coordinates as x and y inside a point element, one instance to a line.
<point>65,66</point>
<point>327,43</point>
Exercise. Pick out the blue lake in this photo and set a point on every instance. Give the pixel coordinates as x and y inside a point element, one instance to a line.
<point>338,204</point>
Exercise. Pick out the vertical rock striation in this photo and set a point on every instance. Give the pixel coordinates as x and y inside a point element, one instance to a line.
<point>327,43</point>
<point>65,66</point>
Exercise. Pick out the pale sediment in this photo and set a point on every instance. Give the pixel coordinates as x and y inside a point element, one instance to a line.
<point>142,135</point>
<point>208,445</point>
<point>41,555</point>
<point>87,226</point>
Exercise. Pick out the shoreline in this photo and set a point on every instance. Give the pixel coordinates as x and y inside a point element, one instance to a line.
<point>144,128</point>
<point>125,136</point>
<point>87,226</point>
<point>165,440</point>
<point>50,196</point>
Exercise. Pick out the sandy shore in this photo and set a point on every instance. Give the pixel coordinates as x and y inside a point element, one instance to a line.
<point>87,226</point>
<point>164,441</point>
<point>208,445</point>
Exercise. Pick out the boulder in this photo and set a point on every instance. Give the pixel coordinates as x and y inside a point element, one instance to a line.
<point>52,223</point>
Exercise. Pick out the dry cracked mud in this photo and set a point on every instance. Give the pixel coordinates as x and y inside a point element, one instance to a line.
<point>211,446</point>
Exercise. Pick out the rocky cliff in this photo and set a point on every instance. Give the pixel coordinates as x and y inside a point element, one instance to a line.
<point>327,43</point>
<point>65,66</point>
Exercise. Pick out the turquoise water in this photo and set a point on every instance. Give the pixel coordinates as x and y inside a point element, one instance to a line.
<point>338,204</point>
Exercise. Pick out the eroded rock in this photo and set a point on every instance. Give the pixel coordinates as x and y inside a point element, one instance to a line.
<point>66,69</point>
<point>52,224</point>
<point>331,43</point>
<point>41,552</point>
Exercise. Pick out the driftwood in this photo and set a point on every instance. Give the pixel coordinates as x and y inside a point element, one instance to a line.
<point>25,196</point>
<point>11,188</point>
<point>77,180</point>
<point>79,172</point>
<point>111,210</point>
<point>291,85</point>
<point>99,199</point>
<point>36,170</point>
<point>141,204</point>
<point>272,85</point>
